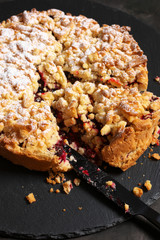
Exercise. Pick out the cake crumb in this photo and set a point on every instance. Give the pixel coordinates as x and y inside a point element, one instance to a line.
<point>67,186</point>
<point>51,190</point>
<point>30,197</point>
<point>148,185</point>
<point>157,79</point>
<point>77,181</point>
<point>64,210</point>
<point>57,191</point>
<point>111,184</point>
<point>57,179</point>
<point>80,208</point>
<point>138,192</point>
<point>156,156</point>
<point>126,207</point>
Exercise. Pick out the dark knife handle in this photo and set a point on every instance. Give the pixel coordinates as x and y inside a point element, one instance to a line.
<point>151,215</point>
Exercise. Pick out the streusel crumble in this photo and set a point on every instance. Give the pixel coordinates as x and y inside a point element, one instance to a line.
<point>64,79</point>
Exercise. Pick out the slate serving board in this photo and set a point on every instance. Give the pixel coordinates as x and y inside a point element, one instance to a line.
<point>45,218</point>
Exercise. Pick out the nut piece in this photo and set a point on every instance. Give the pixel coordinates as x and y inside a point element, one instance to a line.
<point>67,186</point>
<point>148,185</point>
<point>138,192</point>
<point>31,198</point>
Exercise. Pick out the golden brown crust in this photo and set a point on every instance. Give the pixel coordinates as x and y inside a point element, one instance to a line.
<point>38,161</point>
<point>129,145</point>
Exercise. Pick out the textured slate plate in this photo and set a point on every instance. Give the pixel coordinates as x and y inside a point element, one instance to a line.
<point>45,218</point>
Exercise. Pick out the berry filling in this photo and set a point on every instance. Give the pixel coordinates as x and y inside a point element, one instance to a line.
<point>43,88</point>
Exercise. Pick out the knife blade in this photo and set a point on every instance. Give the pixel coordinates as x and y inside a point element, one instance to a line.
<point>110,187</point>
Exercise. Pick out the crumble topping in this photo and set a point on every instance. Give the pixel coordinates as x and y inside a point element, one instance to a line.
<point>62,74</point>
<point>112,110</point>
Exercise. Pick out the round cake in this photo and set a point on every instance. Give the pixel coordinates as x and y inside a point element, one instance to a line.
<point>66,80</point>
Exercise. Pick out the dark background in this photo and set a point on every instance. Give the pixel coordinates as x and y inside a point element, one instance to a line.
<point>148,11</point>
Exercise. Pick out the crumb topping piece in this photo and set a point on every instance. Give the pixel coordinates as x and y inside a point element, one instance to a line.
<point>126,207</point>
<point>77,182</point>
<point>51,190</point>
<point>138,192</point>
<point>111,184</point>
<point>156,156</point>
<point>67,186</point>
<point>31,198</point>
<point>148,185</point>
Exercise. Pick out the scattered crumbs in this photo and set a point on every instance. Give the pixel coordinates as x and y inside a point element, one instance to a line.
<point>157,79</point>
<point>105,167</point>
<point>129,177</point>
<point>151,149</point>
<point>77,181</point>
<point>139,184</point>
<point>55,178</point>
<point>148,185</point>
<point>149,155</point>
<point>111,184</point>
<point>80,208</point>
<point>67,186</point>
<point>156,156</point>
<point>141,163</point>
<point>30,197</point>
<point>57,191</point>
<point>51,190</point>
<point>64,210</point>
<point>143,175</point>
<point>138,192</point>
<point>126,207</point>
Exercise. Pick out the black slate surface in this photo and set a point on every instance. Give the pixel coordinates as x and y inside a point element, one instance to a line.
<point>45,218</point>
